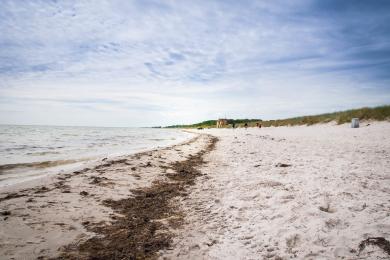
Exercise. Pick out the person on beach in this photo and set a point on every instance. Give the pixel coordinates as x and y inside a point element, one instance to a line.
<point>246,125</point>
<point>234,125</point>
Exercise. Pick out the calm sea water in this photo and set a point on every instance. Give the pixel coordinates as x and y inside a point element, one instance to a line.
<point>32,151</point>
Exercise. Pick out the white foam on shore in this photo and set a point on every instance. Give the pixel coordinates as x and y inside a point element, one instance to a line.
<point>33,152</point>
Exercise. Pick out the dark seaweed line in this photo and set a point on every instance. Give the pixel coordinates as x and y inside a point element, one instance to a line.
<point>148,216</point>
<point>380,242</point>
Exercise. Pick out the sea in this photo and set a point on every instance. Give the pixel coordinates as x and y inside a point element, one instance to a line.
<point>30,152</point>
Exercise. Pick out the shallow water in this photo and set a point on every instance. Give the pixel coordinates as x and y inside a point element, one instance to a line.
<point>32,151</point>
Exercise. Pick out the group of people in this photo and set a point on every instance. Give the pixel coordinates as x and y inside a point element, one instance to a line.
<point>246,125</point>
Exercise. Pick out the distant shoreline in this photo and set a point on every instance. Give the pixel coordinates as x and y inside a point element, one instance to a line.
<point>31,152</point>
<point>380,113</point>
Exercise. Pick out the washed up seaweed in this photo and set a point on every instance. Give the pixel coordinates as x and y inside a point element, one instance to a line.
<point>145,219</point>
<point>380,242</point>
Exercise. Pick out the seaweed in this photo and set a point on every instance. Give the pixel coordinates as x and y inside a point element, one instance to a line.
<point>142,227</point>
<point>380,242</point>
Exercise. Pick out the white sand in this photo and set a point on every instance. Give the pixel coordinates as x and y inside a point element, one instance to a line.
<point>248,208</point>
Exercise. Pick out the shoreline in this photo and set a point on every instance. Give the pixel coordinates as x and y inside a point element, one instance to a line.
<point>48,219</point>
<point>27,155</point>
<point>51,172</point>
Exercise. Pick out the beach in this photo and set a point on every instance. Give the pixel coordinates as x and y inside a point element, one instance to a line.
<point>305,192</point>
<point>47,216</point>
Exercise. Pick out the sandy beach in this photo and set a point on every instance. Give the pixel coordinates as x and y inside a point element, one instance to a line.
<point>303,192</point>
<point>307,192</point>
<point>192,130</point>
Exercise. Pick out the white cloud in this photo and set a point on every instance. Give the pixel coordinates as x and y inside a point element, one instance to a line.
<point>108,62</point>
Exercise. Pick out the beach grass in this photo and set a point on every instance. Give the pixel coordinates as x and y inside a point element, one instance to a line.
<point>377,113</point>
<point>380,113</point>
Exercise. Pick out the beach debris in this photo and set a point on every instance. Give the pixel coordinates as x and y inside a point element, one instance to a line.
<point>42,189</point>
<point>136,175</point>
<point>12,196</point>
<point>84,193</point>
<point>283,165</point>
<point>138,232</point>
<point>97,179</point>
<point>81,171</point>
<point>133,168</point>
<point>107,164</point>
<point>61,185</point>
<point>119,161</point>
<point>326,209</point>
<point>380,242</point>
<point>5,213</point>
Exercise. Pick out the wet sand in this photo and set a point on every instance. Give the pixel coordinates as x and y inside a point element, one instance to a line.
<point>66,216</point>
<point>316,192</point>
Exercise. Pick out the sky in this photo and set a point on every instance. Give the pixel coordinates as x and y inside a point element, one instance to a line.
<point>152,63</point>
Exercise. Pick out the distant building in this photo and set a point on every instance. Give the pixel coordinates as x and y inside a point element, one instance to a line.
<point>222,123</point>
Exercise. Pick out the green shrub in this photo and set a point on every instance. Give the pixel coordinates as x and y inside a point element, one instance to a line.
<point>377,113</point>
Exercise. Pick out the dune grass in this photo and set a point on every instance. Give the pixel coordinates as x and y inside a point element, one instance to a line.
<point>380,113</point>
<point>377,113</point>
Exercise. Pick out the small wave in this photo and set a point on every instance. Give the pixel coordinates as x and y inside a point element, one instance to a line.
<point>67,134</point>
<point>42,153</point>
<point>31,147</point>
<point>36,165</point>
<point>21,147</point>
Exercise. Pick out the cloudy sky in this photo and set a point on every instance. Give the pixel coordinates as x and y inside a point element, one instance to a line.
<point>144,63</point>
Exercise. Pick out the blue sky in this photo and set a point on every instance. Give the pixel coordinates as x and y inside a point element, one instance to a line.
<point>144,63</point>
